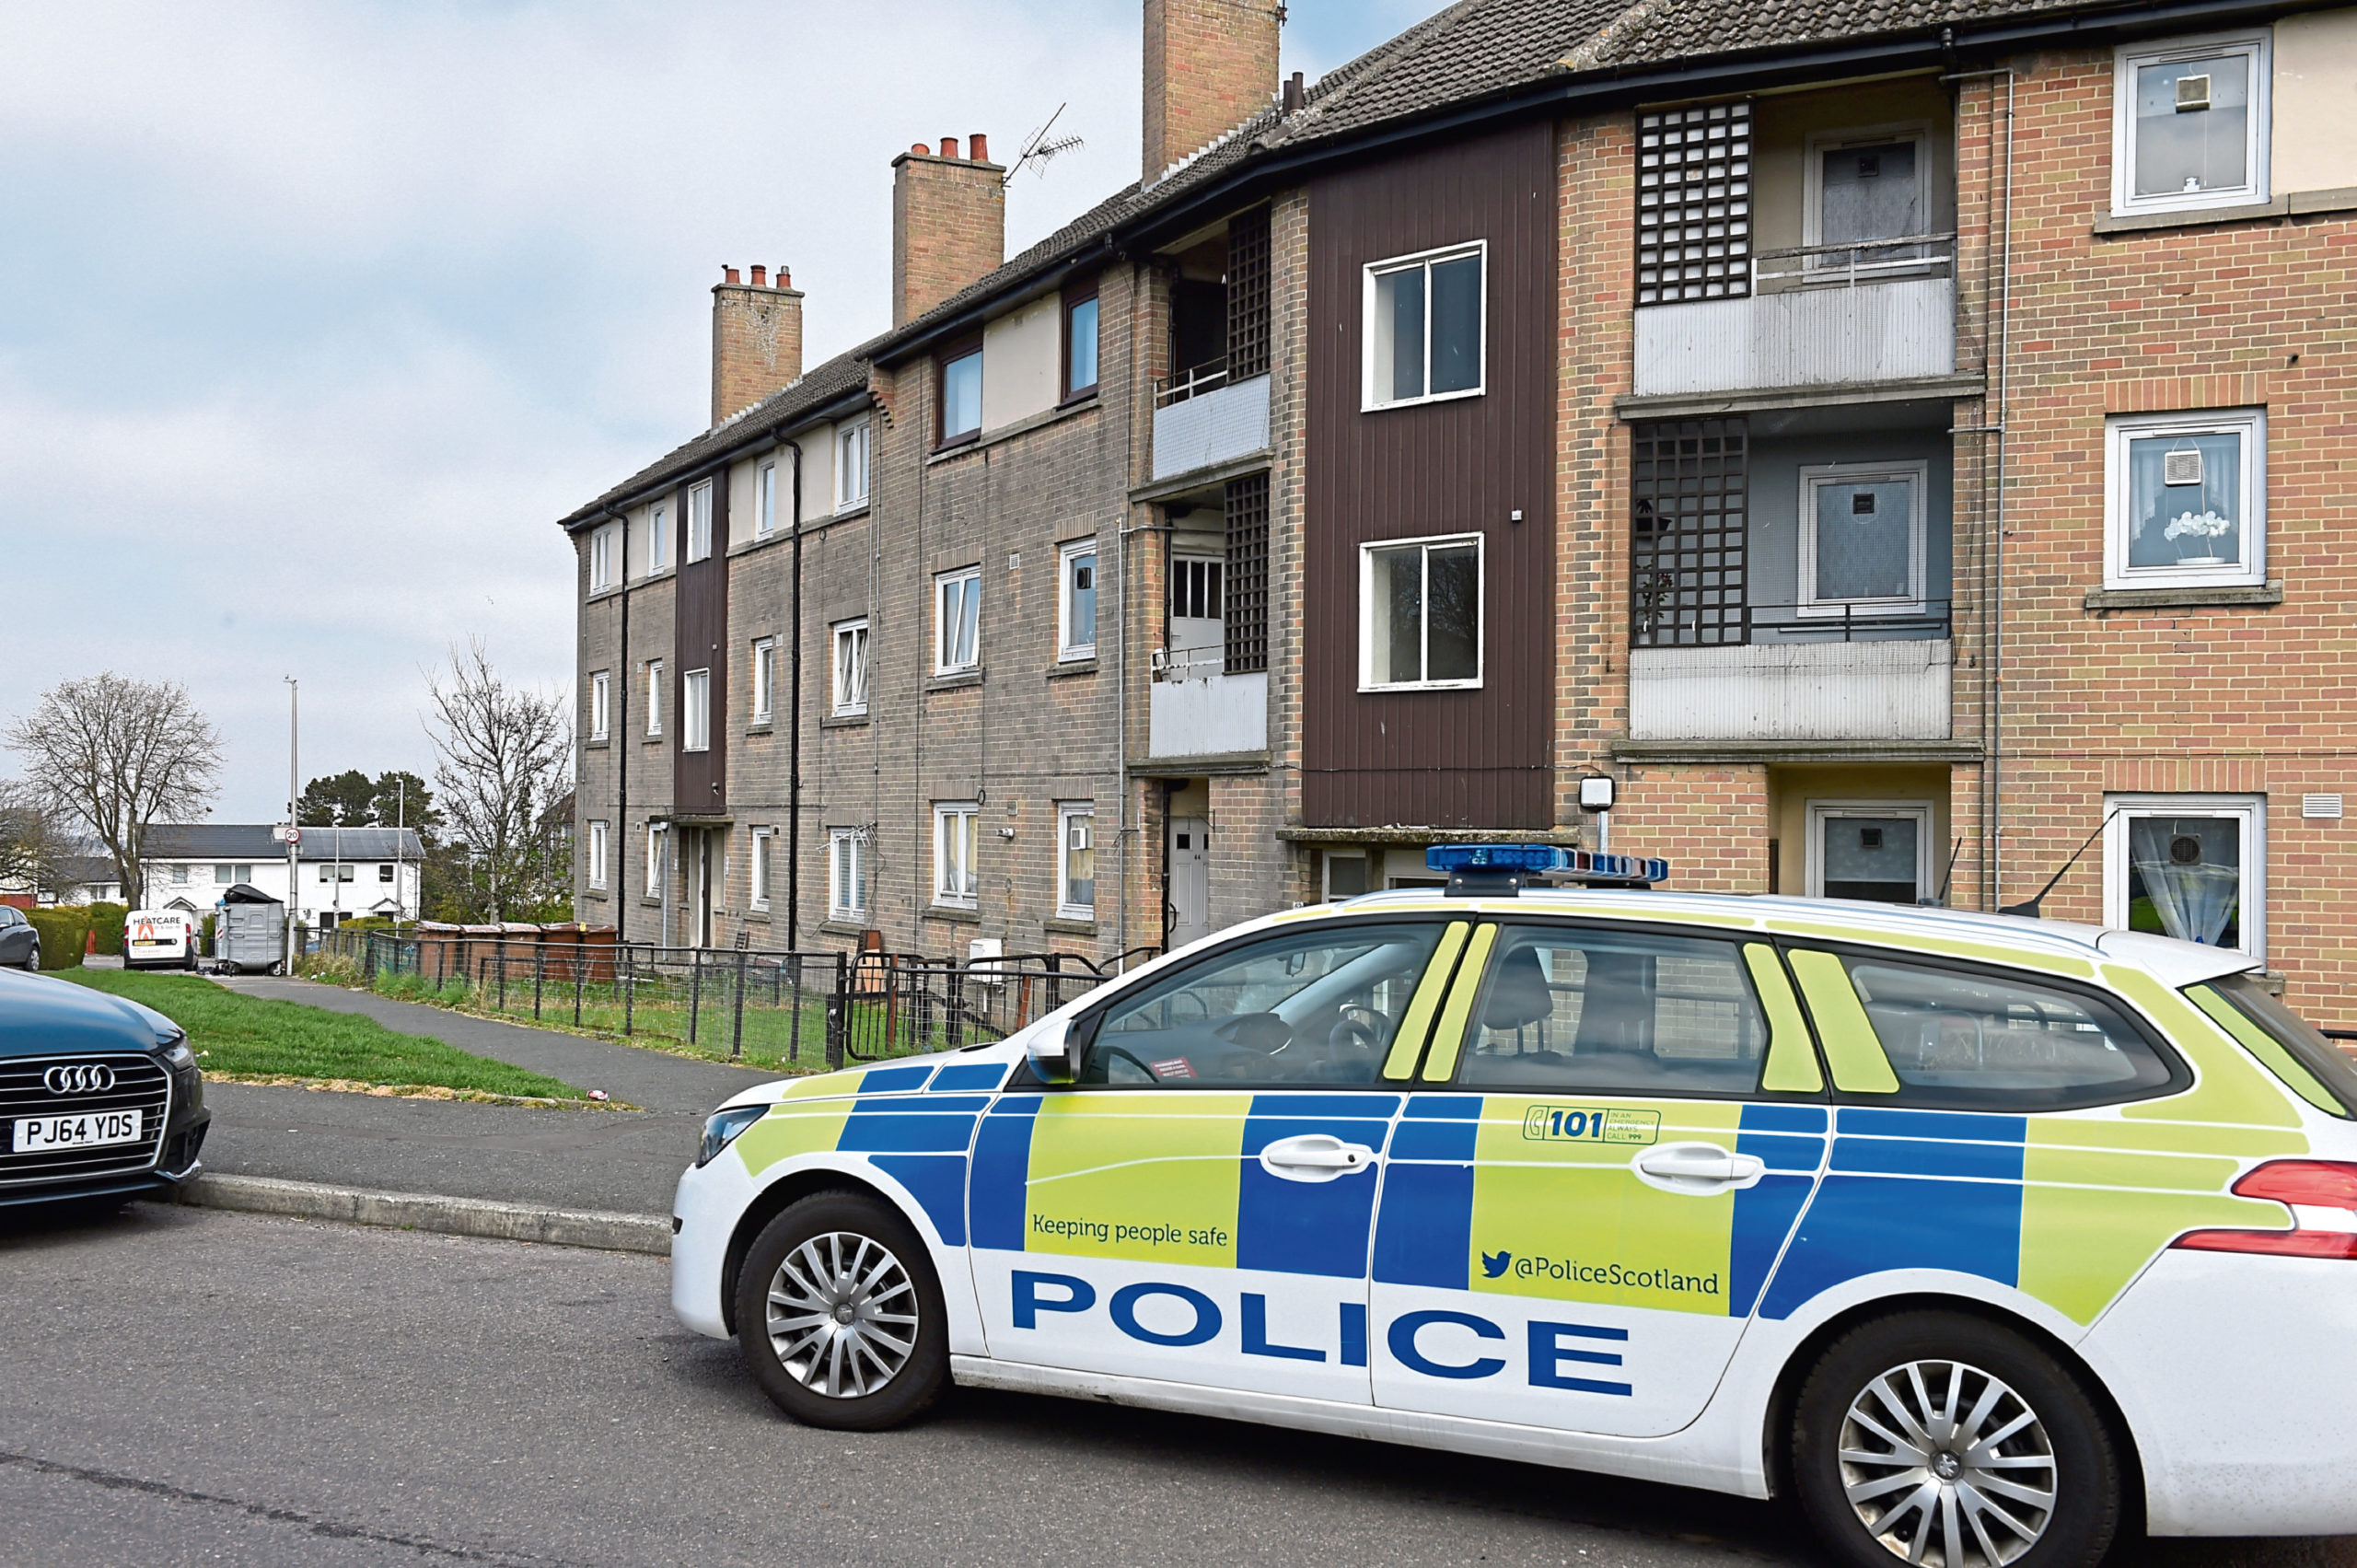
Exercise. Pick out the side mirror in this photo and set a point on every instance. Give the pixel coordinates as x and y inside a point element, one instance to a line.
<point>1056,1052</point>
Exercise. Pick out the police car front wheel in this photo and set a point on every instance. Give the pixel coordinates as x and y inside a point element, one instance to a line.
<point>839,1314</point>
<point>1945,1439</point>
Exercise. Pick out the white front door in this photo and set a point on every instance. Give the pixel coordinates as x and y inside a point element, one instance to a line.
<point>1191,880</point>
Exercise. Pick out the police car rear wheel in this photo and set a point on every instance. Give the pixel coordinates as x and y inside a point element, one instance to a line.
<point>1948,1440</point>
<point>840,1315</point>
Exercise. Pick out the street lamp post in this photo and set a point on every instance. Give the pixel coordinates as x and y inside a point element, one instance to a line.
<point>294,886</point>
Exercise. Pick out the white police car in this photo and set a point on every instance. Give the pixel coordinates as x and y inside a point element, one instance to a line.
<point>1978,1235</point>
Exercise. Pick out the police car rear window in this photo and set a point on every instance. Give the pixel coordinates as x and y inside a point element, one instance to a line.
<point>1961,1038</point>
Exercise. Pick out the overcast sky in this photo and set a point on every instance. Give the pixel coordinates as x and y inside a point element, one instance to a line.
<point>314,318</point>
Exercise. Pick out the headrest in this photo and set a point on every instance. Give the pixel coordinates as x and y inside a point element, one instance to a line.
<point>1519,994</point>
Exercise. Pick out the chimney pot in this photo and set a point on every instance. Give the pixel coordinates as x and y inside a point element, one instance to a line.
<point>1296,94</point>
<point>784,278</point>
<point>977,148</point>
<point>921,149</point>
<point>727,275</point>
<point>948,147</point>
<point>761,277</point>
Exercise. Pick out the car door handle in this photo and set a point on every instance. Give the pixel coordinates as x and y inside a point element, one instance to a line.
<point>1697,1168</point>
<point>1315,1157</point>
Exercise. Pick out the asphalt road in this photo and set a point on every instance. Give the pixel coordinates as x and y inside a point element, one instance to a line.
<point>193,1387</point>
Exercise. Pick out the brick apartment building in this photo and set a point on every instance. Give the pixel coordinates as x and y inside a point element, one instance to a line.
<point>1895,444</point>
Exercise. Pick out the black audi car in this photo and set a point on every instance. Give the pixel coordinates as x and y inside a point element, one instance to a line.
<point>100,1100</point>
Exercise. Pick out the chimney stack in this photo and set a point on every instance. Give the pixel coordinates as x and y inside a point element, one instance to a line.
<point>756,340</point>
<point>949,223</point>
<point>1209,66</point>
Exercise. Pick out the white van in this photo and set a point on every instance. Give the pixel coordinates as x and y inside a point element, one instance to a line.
<point>159,940</point>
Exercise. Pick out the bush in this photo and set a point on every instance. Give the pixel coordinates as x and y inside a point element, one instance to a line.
<point>64,930</point>
<point>456,993</point>
<point>405,986</point>
<point>332,968</point>
<point>106,927</point>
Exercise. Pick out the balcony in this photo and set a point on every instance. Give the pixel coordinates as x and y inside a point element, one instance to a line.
<point>1205,420</point>
<point>1890,678</point>
<point>1818,316</point>
<point>1196,709</point>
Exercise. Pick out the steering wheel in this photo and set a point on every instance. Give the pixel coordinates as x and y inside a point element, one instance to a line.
<point>1113,1053</point>
<point>1358,1029</point>
<point>1264,1032</point>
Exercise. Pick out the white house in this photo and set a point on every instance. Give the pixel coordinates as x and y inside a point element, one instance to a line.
<point>342,873</point>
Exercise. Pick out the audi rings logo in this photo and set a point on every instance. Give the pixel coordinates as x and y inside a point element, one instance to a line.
<point>80,1078</point>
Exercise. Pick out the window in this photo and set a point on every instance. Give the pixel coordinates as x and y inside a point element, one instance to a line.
<point>654,697</point>
<point>1879,851</point>
<point>334,873</point>
<point>1345,876</point>
<point>1866,185</point>
<point>695,711</point>
<point>1077,861</point>
<point>851,466</point>
<point>597,855</point>
<point>956,616</point>
<point>961,395</point>
<point>2189,125</point>
<point>2191,866</point>
<point>384,874</point>
<point>224,875</point>
<point>1420,613</point>
<point>1080,346</point>
<point>953,829</point>
<point>2187,499</point>
<point>851,668</point>
<point>764,679</point>
<point>1306,1007</point>
<point>764,842</point>
<point>846,874</point>
<point>1424,317</point>
<point>700,522</point>
<point>765,500</point>
<point>658,540</point>
<point>1861,536</point>
<point>245,872</point>
<point>601,559</point>
<point>656,844</point>
<point>1076,601</point>
<point>1968,1039</point>
<point>601,687</point>
<point>1613,1012</point>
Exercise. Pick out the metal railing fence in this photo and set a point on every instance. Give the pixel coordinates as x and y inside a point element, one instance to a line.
<point>743,1004</point>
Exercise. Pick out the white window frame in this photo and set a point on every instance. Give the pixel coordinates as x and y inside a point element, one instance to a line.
<point>765,499</point>
<point>1367,553</point>
<point>1820,143</point>
<point>2260,111</point>
<point>846,844</point>
<point>658,539</point>
<point>763,680</point>
<point>654,699</point>
<point>695,711</point>
<point>1066,649</point>
<point>852,441</point>
<point>657,838</point>
<point>2250,810</point>
<point>699,521</point>
<point>758,870</point>
<point>597,853</point>
<point>848,704</point>
<point>2119,431</point>
<point>947,815</point>
<point>942,663</point>
<point>1326,873</point>
<point>1823,811</point>
<point>601,559</point>
<point>1368,400</point>
<point>1815,475</point>
<point>602,704</point>
<point>1068,812</point>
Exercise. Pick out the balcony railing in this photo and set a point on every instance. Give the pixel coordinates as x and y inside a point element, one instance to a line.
<point>1203,377</point>
<point>1204,420</point>
<point>1794,688</point>
<point>1665,616</point>
<point>1852,262</point>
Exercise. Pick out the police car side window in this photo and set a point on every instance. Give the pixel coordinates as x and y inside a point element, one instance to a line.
<point>1987,1039</point>
<point>1307,1008</point>
<point>1614,1012</point>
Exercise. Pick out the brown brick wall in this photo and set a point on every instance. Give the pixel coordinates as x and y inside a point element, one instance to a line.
<point>756,341</point>
<point>1209,66</point>
<point>949,225</point>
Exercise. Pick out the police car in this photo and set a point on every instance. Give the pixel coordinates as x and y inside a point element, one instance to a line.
<point>1984,1238</point>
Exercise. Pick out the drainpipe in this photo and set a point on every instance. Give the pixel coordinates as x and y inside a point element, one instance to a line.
<point>619,739</point>
<point>793,737</point>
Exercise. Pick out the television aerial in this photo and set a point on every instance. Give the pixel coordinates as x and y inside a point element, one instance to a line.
<point>1040,146</point>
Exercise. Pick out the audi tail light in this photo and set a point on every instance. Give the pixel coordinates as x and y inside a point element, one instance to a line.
<point>2322,1196</point>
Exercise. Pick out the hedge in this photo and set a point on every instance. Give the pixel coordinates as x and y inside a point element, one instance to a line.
<point>63,929</point>
<point>106,925</point>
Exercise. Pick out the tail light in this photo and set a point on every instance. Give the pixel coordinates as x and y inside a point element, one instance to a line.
<point>2322,1196</point>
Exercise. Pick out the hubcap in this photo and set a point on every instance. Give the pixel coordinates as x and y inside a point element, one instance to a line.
<point>1948,1467</point>
<point>842,1315</point>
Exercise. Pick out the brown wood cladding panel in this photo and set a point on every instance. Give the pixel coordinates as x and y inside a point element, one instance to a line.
<point>1442,759</point>
<point>700,779</point>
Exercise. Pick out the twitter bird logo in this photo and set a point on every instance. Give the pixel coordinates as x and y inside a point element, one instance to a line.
<point>1494,1264</point>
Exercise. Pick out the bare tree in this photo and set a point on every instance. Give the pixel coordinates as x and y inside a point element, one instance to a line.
<point>114,757</point>
<point>506,757</point>
<point>30,843</point>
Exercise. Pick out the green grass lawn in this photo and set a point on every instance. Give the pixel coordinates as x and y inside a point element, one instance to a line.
<point>248,1036</point>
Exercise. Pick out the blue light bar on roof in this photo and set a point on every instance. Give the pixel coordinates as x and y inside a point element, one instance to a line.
<point>1548,860</point>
